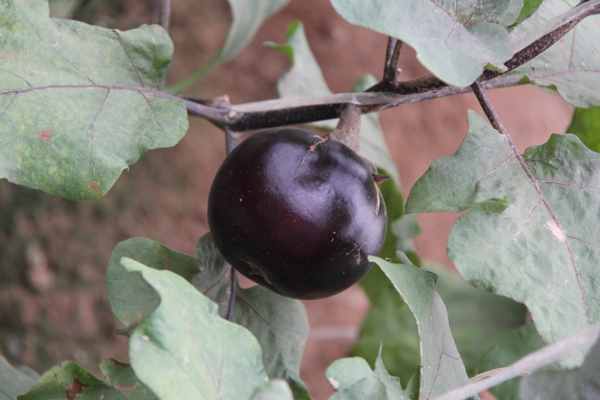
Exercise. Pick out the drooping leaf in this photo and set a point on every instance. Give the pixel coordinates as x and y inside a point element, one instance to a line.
<point>441,366</point>
<point>454,40</point>
<point>510,348</point>
<point>13,382</point>
<point>352,378</point>
<point>281,326</point>
<point>79,103</point>
<point>541,249</point>
<point>247,17</point>
<point>120,375</point>
<point>185,350</point>
<point>130,297</point>
<point>71,381</point>
<point>572,65</point>
<point>586,125</point>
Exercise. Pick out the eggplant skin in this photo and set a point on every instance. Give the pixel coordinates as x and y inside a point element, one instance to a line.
<point>297,213</point>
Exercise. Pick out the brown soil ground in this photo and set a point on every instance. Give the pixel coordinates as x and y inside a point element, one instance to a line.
<point>54,252</point>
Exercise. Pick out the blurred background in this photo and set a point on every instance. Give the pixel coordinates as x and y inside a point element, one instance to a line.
<point>54,252</point>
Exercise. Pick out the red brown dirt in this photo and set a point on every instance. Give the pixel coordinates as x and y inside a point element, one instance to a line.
<point>54,252</point>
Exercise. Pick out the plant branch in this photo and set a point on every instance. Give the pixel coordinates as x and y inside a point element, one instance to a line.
<point>348,127</point>
<point>163,13</point>
<point>275,113</point>
<point>487,107</point>
<point>391,72</point>
<point>387,93</point>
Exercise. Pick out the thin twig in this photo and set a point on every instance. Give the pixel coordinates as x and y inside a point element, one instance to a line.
<point>487,107</point>
<point>161,14</point>
<point>391,72</point>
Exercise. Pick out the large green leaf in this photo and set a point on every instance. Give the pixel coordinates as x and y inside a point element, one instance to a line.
<point>441,365</point>
<point>281,326</point>
<point>12,381</point>
<point>130,297</point>
<point>79,103</point>
<point>586,125</point>
<point>185,350</point>
<point>571,65</point>
<point>453,39</point>
<point>352,378</point>
<point>247,16</point>
<point>531,234</point>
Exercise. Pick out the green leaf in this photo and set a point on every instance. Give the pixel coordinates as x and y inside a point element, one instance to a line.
<point>304,78</point>
<point>281,326</point>
<point>389,321</point>
<point>571,65</point>
<point>247,18</point>
<point>273,390</point>
<point>454,40</point>
<point>529,7</point>
<point>69,381</point>
<point>185,350</point>
<point>551,385</point>
<point>121,376</point>
<point>441,366</point>
<point>586,125</point>
<point>515,345</point>
<point>578,384</point>
<point>478,319</point>
<point>352,378</point>
<point>543,249</point>
<point>130,297</point>
<point>80,103</point>
<point>214,281</point>
<point>12,381</point>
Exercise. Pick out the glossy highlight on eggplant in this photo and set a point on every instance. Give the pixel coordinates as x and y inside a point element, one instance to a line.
<point>297,213</point>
